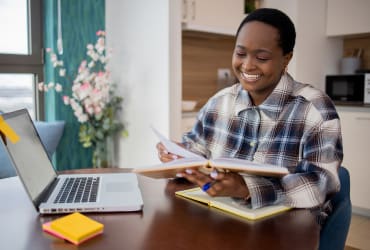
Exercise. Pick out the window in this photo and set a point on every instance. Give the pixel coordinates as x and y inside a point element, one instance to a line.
<point>21,62</point>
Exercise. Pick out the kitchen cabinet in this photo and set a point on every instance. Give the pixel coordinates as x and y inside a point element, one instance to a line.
<point>214,16</point>
<point>347,17</point>
<point>355,124</point>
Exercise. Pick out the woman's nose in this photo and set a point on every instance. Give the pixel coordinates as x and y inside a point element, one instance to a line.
<point>248,64</point>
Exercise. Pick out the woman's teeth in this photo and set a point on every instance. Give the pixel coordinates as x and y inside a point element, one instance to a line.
<point>249,77</point>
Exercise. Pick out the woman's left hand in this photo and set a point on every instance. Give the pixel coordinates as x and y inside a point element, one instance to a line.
<point>218,183</point>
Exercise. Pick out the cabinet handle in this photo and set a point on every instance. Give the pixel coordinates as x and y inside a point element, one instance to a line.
<point>184,9</point>
<point>193,7</point>
<point>363,118</point>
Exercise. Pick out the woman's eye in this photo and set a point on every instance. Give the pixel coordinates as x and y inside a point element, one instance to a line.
<point>262,59</point>
<point>240,54</point>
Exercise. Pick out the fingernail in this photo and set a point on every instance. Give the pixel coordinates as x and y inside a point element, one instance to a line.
<point>214,174</point>
<point>174,157</point>
<point>165,151</point>
<point>188,171</point>
<point>179,175</point>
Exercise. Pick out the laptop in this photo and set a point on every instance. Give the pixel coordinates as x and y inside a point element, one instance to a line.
<point>52,193</point>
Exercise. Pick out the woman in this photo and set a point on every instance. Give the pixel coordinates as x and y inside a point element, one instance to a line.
<point>268,117</point>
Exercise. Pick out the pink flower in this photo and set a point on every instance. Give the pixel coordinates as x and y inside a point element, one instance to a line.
<point>97,110</point>
<point>90,96</point>
<point>66,100</point>
<point>82,66</point>
<point>89,109</point>
<point>53,57</point>
<point>58,87</point>
<point>62,72</point>
<point>81,117</point>
<point>100,33</point>
<point>85,86</point>
<point>41,86</point>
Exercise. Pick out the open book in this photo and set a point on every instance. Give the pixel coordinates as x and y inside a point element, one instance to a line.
<point>170,169</point>
<point>192,160</point>
<point>234,206</point>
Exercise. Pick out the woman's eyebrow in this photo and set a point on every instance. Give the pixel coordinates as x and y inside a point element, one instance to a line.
<point>263,50</point>
<point>255,51</point>
<point>240,47</point>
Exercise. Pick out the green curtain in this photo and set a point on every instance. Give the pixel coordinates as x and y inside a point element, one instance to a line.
<point>80,21</point>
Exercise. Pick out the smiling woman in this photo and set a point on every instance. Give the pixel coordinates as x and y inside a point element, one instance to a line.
<point>268,117</point>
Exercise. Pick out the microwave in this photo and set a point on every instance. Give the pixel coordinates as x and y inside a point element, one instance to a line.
<point>354,88</point>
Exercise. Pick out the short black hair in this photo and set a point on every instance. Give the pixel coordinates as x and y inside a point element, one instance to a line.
<point>278,20</point>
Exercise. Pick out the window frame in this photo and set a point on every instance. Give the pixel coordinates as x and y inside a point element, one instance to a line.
<point>32,63</point>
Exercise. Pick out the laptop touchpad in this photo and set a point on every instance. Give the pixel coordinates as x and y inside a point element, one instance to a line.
<point>118,187</point>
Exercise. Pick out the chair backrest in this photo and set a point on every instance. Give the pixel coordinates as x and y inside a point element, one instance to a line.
<point>334,232</point>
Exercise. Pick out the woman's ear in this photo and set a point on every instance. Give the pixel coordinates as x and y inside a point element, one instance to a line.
<point>287,58</point>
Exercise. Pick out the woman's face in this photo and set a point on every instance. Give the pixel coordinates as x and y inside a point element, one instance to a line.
<point>258,61</point>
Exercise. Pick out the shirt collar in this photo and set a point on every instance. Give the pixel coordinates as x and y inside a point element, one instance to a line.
<point>274,103</point>
<point>243,100</point>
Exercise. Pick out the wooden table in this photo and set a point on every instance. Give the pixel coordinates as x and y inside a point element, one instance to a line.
<point>166,222</point>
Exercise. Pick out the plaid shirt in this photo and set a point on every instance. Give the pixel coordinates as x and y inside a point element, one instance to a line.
<point>297,127</point>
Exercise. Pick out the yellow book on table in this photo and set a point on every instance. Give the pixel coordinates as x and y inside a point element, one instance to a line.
<point>234,206</point>
<point>75,228</point>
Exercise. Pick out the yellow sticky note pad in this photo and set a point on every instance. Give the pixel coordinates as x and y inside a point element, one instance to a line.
<point>75,227</point>
<point>8,131</point>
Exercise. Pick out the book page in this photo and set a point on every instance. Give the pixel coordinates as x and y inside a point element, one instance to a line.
<point>173,148</point>
<point>249,167</point>
<point>171,168</point>
<point>232,205</point>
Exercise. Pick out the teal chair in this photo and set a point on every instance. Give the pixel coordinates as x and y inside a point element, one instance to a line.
<point>50,134</point>
<point>334,232</point>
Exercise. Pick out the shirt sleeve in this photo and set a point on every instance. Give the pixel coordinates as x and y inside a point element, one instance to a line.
<point>193,140</point>
<point>315,177</point>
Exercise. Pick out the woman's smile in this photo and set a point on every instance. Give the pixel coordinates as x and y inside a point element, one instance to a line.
<point>250,77</point>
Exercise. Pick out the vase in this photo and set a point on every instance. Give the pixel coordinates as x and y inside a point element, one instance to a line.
<point>104,153</point>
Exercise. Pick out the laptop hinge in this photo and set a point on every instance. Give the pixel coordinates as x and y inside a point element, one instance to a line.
<point>45,194</point>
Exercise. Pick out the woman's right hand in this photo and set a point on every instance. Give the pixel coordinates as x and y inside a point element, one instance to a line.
<point>164,155</point>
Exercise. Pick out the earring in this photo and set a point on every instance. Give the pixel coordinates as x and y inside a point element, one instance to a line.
<point>286,69</point>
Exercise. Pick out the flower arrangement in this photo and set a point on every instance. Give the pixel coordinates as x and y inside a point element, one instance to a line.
<point>92,97</point>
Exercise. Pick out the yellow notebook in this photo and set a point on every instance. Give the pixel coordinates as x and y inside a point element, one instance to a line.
<point>234,206</point>
<point>76,227</point>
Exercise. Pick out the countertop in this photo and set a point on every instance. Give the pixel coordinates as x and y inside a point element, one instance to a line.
<point>352,104</point>
<point>189,114</point>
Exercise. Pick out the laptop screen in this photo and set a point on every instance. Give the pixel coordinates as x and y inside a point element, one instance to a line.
<point>28,154</point>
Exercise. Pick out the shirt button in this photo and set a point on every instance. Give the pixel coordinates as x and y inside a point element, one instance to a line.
<point>252,144</point>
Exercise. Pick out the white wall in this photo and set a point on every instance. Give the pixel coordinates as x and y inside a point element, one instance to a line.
<point>315,55</point>
<point>146,41</point>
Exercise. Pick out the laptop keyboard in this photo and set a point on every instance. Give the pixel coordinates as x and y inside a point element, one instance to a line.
<point>78,189</point>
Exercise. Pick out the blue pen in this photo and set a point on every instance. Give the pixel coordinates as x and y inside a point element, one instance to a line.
<point>207,186</point>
